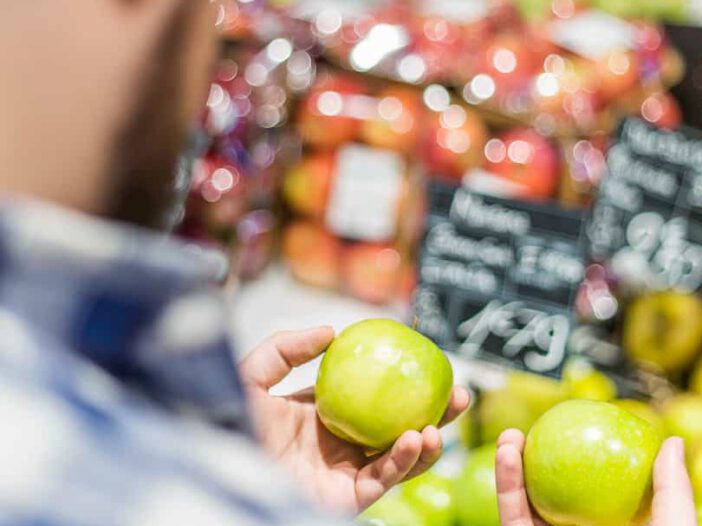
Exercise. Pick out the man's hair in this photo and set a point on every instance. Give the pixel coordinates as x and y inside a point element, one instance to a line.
<point>145,152</point>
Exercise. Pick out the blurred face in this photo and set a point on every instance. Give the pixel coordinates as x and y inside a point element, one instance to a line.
<point>169,95</point>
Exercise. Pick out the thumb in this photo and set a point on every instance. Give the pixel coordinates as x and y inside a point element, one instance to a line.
<point>673,503</point>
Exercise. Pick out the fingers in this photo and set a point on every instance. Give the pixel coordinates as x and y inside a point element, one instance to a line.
<point>672,493</point>
<point>509,474</point>
<point>432,446</point>
<point>460,399</point>
<point>271,361</point>
<point>391,468</point>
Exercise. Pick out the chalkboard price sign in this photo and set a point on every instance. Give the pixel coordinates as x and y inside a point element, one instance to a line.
<point>648,217</point>
<point>497,278</point>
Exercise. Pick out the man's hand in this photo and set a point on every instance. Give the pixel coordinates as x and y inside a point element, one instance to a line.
<point>335,473</point>
<point>672,500</point>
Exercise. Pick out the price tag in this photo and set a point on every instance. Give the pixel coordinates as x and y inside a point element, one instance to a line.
<point>648,218</point>
<point>498,278</point>
<point>593,34</point>
<point>365,197</point>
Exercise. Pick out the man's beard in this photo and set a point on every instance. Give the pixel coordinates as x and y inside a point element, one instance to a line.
<point>143,164</point>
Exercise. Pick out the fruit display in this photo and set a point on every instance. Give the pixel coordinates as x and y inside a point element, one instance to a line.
<point>391,510</point>
<point>433,496</point>
<point>590,463</point>
<point>475,490</point>
<point>518,60</point>
<point>355,184</point>
<point>234,184</point>
<point>380,378</point>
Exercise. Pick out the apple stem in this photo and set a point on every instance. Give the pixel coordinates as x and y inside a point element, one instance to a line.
<point>415,322</point>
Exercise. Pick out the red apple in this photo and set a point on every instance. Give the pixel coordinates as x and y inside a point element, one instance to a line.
<point>396,122</point>
<point>370,271</point>
<point>325,117</point>
<point>453,141</point>
<point>218,194</point>
<point>510,60</point>
<point>524,163</point>
<point>662,110</point>
<point>312,254</point>
<point>617,74</point>
<point>307,185</point>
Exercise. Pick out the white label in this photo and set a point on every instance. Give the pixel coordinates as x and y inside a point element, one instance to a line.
<point>464,11</point>
<point>366,192</point>
<point>593,34</point>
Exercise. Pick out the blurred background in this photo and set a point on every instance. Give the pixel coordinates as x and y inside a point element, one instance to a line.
<point>516,178</point>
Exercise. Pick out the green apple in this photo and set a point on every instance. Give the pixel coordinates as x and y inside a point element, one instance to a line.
<point>475,490</point>
<point>468,431</point>
<point>589,463</point>
<point>695,383</point>
<point>583,381</point>
<point>662,330</point>
<point>432,496</point>
<point>538,392</point>
<point>502,409</point>
<point>694,468</point>
<point>391,510</point>
<point>378,379</point>
<point>642,410</point>
<point>682,416</point>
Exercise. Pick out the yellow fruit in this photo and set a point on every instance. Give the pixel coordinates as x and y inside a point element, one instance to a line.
<point>539,393</point>
<point>584,382</point>
<point>663,330</point>
<point>500,410</point>
<point>682,416</point>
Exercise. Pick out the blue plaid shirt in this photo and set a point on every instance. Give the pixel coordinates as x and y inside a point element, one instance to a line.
<point>115,359</point>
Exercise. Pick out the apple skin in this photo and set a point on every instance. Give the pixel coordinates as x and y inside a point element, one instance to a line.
<point>476,493</point>
<point>587,383</point>
<point>378,379</point>
<point>662,330</point>
<point>397,121</point>
<point>312,254</point>
<point>695,383</point>
<point>589,463</point>
<point>371,271</point>
<point>432,495</point>
<point>329,131</point>
<point>502,409</point>
<point>682,416</point>
<point>528,161</point>
<point>642,410</point>
<point>453,141</point>
<point>307,185</point>
<point>391,510</point>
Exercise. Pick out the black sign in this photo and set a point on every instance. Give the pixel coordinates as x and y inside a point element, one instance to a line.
<point>497,278</point>
<point>648,218</point>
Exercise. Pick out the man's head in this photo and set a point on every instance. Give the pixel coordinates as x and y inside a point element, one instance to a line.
<point>97,97</point>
